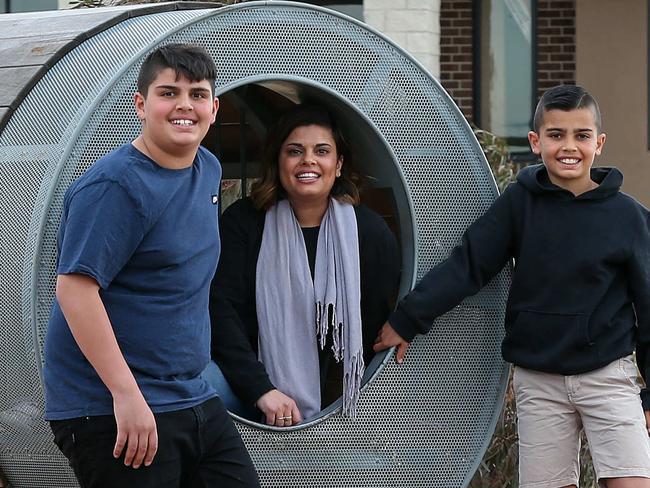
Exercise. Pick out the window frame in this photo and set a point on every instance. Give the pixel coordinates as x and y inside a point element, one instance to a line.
<point>477,89</point>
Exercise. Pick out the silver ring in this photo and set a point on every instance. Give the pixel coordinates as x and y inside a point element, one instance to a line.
<point>288,417</point>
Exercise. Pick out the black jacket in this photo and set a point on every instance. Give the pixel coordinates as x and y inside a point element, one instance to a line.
<point>232,296</point>
<point>580,292</point>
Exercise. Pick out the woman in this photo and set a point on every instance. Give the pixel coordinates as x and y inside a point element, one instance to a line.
<point>301,247</point>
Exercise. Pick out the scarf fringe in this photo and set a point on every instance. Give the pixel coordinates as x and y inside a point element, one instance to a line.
<point>319,321</point>
<point>352,385</point>
<point>326,321</point>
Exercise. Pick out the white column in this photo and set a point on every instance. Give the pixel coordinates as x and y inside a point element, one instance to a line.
<point>412,24</point>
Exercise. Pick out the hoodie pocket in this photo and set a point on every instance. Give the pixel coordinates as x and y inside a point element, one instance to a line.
<point>551,342</point>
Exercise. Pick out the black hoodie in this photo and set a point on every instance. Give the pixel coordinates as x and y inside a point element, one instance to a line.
<point>580,292</point>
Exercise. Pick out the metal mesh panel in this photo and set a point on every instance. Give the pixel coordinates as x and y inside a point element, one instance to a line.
<point>421,424</point>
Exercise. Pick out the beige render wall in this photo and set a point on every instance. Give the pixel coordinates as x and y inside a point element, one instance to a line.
<point>412,24</point>
<point>612,60</point>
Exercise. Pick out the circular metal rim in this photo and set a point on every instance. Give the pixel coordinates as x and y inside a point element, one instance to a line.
<point>384,357</point>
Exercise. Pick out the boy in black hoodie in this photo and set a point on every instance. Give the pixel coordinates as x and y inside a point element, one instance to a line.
<point>578,305</point>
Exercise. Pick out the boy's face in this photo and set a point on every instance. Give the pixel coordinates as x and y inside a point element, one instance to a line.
<point>176,113</point>
<point>568,142</point>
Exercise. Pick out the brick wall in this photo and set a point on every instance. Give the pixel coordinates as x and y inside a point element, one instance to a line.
<point>456,52</point>
<point>556,43</point>
<point>556,49</point>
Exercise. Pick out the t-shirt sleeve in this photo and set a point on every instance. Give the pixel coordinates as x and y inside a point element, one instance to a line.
<point>101,227</point>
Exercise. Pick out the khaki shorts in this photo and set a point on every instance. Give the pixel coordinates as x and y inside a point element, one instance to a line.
<point>552,409</point>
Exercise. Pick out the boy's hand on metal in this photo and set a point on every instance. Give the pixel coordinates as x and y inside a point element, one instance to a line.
<point>387,337</point>
<point>279,409</point>
<point>136,430</point>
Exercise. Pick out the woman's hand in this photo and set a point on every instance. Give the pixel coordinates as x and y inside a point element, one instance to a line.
<point>280,410</point>
<point>387,337</point>
<point>647,420</point>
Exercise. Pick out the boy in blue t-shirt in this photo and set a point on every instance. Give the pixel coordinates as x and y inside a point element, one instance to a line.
<point>129,332</point>
<point>579,302</point>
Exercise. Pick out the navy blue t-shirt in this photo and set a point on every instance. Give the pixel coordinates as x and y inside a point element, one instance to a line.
<point>149,237</point>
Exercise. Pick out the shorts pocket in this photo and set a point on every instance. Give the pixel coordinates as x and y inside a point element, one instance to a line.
<point>630,372</point>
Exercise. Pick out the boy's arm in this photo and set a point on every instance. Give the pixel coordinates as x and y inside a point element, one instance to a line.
<point>486,247</point>
<point>78,296</point>
<point>102,225</point>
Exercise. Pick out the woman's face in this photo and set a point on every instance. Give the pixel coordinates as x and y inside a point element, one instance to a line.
<point>309,164</point>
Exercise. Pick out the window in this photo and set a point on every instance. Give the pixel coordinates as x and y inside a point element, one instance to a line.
<point>14,6</point>
<point>504,69</point>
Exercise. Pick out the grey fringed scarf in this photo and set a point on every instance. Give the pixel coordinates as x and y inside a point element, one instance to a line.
<point>295,313</point>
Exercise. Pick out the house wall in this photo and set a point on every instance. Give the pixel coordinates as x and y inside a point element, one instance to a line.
<point>556,43</point>
<point>413,24</point>
<point>457,52</point>
<point>601,44</point>
<point>612,64</point>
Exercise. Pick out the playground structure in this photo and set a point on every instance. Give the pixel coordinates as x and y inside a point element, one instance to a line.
<point>66,98</point>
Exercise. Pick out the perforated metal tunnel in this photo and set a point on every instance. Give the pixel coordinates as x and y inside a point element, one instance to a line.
<point>66,88</point>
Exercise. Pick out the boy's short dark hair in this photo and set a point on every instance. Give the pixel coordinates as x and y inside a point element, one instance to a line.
<point>192,62</point>
<point>565,97</point>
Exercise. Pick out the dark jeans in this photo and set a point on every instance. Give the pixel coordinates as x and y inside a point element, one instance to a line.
<point>197,447</point>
